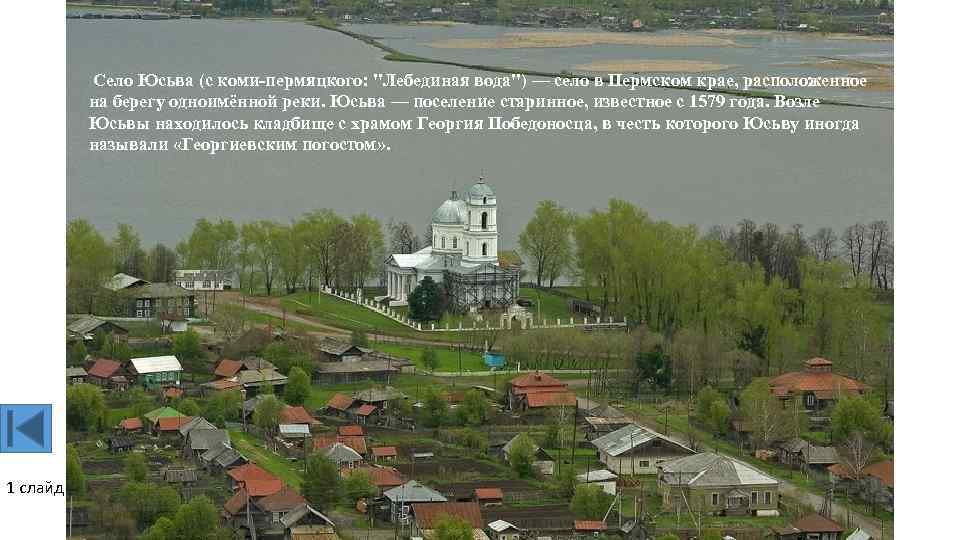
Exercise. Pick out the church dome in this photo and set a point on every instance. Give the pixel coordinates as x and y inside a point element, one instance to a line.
<point>480,190</point>
<point>451,212</point>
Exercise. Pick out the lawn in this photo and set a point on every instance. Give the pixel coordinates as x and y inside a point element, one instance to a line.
<point>450,359</point>
<point>547,305</point>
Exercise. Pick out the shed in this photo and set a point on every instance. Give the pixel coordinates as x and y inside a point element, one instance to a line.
<point>294,431</point>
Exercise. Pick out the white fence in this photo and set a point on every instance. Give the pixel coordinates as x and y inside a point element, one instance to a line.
<point>502,324</point>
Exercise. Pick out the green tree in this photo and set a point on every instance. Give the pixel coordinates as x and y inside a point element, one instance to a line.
<point>262,242</point>
<point>187,348</point>
<point>435,407</point>
<point>266,415</point>
<point>89,266</point>
<point>474,409</point>
<point>199,520</point>
<point>547,241</point>
<point>521,455</point>
<point>358,338</point>
<point>712,534</point>
<point>148,502</point>
<point>767,417</point>
<point>85,407</point>
<point>128,256</point>
<point>135,466</point>
<point>589,502</point>
<point>712,410</point>
<point>162,529</point>
<point>449,527</point>
<point>321,481</point>
<point>76,480</point>
<point>430,359</point>
<point>860,414</point>
<point>210,245</point>
<point>426,301</point>
<point>298,387</point>
<point>78,353</point>
<point>223,407</point>
<point>188,406</point>
<point>358,485</point>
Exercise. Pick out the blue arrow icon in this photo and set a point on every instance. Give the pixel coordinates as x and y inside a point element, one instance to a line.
<point>26,428</point>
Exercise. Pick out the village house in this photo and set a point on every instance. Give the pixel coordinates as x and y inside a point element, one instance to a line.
<point>123,281</point>
<point>296,433</point>
<point>205,280</point>
<point>504,530</point>
<point>297,415</point>
<point>384,453</point>
<point>426,516</point>
<point>119,444</point>
<point>131,425</point>
<point>339,404</point>
<point>221,458</point>
<point>252,380</point>
<point>181,477</point>
<point>199,441</point>
<point>361,415</point>
<point>636,449</point>
<point>591,527</point>
<point>810,527</point>
<point>227,368</point>
<point>275,515</point>
<point>76,375</point>
<point>378,397</point>
<point>534,383</point>
<point>352,372</point>
<point>335,350</point>
<point>155,415</point>
<point>168,427</point>
<point>153,300</point>
<point>606,480</point>
<point>384,478</point>
<point>488,496</point>
<point>800,454</point>
<point>401,497</point>
<point>254,480</point>
<point>102,371</point>
<point>597,426</point>
<point>342,455</point>
<point>817,386</point>
<point>155,371</point>
<point>717,484</point>
<point>877,484</point>
<point>172,393</point>
<point>89,329</point>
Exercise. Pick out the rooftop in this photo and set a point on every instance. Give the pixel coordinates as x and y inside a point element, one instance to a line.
<point>414,491</point>
<point>156,364</point>
<point>629,437</point>
<point>228,368</point>
<point>350,431</point>
<point>489,493</point>
<point>429,514</point>
<point>296,415</point>
<point>709,470</point>
<point>340,402</point>
<point>104,368</point>
<point>551,399</point>
<point>536,379</point>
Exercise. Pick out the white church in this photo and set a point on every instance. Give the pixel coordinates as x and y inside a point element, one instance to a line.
<point>464,254</point>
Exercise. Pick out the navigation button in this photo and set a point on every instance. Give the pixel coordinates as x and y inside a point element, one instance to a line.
<point>26,428</point>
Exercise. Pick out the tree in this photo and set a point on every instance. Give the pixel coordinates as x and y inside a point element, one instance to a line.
<point>430,359</point>
<point>148,502</point>
<point>85,407</point>
<point>449,527</point>
<point>403,239</point>
<point>521,455</point>
<point>135,466</point>
<point>187,348</point>
<point>161,263</point>
<point>712,410</point>
<point>266,415</point>
<point>766,416</point>
<point>261,241</point>
<point>589,502</point>
<point>188,407</point>
<point>358,485</point>
<point>76,480</point>
<point>230,321</point>
<point>426,301</point>
<point>474,409</point>
<point>298,387</point>
<point>653,367</point>
<point>859,415</point>
<point>321,242</point>
<point>435,407</point>
<point>128,256</point>
<point>547,241</point>
<point>321,481</point>
<point>198,520</point>
<point>89,266</point>
<point>210,245</point>
<point>223,407</point>
<point>358,338</point>
<point>78,354</point>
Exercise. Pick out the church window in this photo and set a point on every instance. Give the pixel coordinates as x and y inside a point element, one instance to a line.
<point>484,200</point>
<point>483,248</point>
<point>454,242</point>
<point>443,242</point>
<point>434,239</point>
<point>483,220</point>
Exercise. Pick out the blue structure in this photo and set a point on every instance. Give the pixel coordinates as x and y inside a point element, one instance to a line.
<point>493,360</point>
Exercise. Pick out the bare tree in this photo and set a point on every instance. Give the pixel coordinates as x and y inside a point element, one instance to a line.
<point>403,239</point>
<point>857,454</point>
<point>854,245</point>
<point>824,244</point>
<point>879,234</point>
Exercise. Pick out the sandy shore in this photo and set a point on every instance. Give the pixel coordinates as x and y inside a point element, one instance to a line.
<point>534,40</point>
<point>879,76</point>
<point>648,66</point>
<point>438,23</point>
<point>734,32</point>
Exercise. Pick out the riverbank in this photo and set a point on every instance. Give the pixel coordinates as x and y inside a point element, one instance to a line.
<point>537,40</point>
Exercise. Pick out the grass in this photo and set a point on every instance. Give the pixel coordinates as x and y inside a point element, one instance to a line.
<point>450,359</point>
<point>253,448</point>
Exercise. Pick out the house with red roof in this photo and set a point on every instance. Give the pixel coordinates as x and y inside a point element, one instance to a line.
<point>254,480</point>
<point>488,496</point>
<point>274,515</point>
<point>817,386</point>
<point>587,526</point>
<point>350,431</point>
<point>428,515</point>
<point>339,404</point>
<point>877,483</point>
<point>357,443</point>
<point>383,478</point>
<point>535,383</point>
<point>102,371</point>
<point>131,424</point>
<point>810,527</point>
<point>384,453</point>
<point>228,368</point>
<point>297,415</point>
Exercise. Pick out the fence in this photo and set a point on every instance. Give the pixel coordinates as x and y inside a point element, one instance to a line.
<point>505,323</point>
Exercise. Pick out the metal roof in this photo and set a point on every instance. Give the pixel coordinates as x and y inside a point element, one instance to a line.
<point>599,475</point>
<point>205,439</point>
<point>89,323</point>
<point>197,423</point>
<point>294,430</point>
<point>339,453</point>
<point>122,281</point>
<point>629,437</point>
<point>413,491</point>
<point>480,189</point>
<point>76,372</point>
<point>451,212</point>
<point>156,364</point>
<point>501,525</point>
<point>707,470</point>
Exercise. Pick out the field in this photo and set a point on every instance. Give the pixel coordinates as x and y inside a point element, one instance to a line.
<point>450,359</point>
